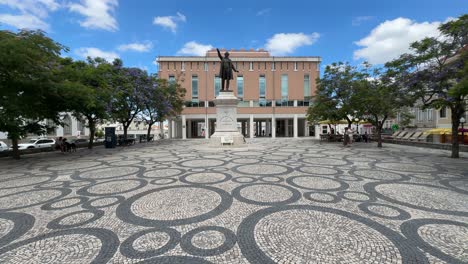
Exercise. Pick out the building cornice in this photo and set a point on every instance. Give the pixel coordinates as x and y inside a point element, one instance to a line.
<point>248,59</point>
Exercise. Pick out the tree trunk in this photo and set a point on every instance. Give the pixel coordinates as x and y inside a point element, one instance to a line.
<point>125,127</point>
<point>16,152</point>
<point>92,130</point>
<point>379,137</point>
<point>455,144</point>
<point>148,133</point>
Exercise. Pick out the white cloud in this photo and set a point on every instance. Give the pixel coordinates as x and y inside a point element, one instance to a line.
<point>169,22</point>
<point>286,43</point>
<point>194,48</point>
<point>392,38</point>
<point>95,52</point>
<point>25,21</point>
<point>99,14</point>
<point>138,47</point>
<point>39,8</point>
<point>263,12</point>
<point>360,19</point>
<point>31,13</point>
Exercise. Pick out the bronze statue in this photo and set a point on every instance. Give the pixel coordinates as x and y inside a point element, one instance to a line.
<point>225,71</point>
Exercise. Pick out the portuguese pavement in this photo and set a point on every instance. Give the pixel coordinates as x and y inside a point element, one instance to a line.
<point>272,201</point>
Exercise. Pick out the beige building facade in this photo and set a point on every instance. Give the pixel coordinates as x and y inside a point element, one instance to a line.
<point>273,93</point>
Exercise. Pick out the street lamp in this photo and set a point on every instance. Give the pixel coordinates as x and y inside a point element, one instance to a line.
<point>462,122</point>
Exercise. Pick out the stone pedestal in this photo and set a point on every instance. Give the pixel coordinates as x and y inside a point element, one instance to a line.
<point>226,121</point>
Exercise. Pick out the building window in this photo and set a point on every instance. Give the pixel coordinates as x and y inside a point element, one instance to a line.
<point>182,66</point>
<point>324,129</point>
<point>167,65</point>
<point>240,86</point>
<point>67,123</point>
<point>214,65</point>
<point>318,66</point>
<point>217,85</point>
<point>265,65</point>
<point>306,86</point>
<point>295,66</point>
<point>258,65</point>
<point>273,66</point>
<point>443,112</point>
<point>205,66</point>
<point>251,66</point>
<point>430,114</point>
<point>171,79</point>
<point>175,66</point>
<point>195,87</point>
<point>284,87</point>
<point>262,86</point>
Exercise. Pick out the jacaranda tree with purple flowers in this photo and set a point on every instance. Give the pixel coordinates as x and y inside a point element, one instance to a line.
<point>162,99</point>
<point>128,95</point>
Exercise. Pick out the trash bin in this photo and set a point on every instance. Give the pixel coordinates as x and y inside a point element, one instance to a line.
<point>110,141</point>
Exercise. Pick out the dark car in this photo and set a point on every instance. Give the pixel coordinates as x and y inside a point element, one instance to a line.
<point>79,142</point>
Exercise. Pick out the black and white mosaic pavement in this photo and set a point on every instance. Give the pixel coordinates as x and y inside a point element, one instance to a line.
<point>272,201</point>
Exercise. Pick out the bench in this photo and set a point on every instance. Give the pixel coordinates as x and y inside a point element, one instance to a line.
<point>227,140</point>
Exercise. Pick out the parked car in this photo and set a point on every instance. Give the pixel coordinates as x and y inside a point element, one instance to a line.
<point>3,146</point>
<point>37,143</point>
<point>79,141</point>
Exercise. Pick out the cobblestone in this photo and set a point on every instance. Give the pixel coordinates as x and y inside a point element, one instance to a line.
<point>273,201</point>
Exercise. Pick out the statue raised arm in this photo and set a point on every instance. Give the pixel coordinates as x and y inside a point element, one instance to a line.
<point>225,71</point>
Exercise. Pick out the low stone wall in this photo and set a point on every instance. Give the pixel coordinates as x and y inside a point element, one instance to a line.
<point>39,150</point>
<point>463,148</point>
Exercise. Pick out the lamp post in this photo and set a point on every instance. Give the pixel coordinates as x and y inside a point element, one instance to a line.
<point>462,122</point>
<point>357,124</point>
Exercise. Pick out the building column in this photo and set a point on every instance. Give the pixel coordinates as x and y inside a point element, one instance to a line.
<point>273,127</point>
<point>173,125</point>
<point>184,127</point>
<point>207,128</point>
<point>286,127</point>
<point>243,127</point>
<point>169,127</point>
<point>267,128</point>
<point>251,127</point>
<point>295,132</point>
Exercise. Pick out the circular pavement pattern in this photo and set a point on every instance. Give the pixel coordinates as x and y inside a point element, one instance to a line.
<point>109,173</point>
<point>317,183</point>
<point>150,243</point>
<point>266,194</point>
<point>89,245</point>
<point>205,178</point>
<point>208,241</point>
<point>262,169</point>
<point>444,239</point>
<point>430,198</point>
<point>408,167</point>
<point>174,205</point>
<point>177,201</point>
<point>304,233</point>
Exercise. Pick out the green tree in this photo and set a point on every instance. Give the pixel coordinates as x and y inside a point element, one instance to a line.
<point>435,72</point>
<point>128,94</point>
<point>334,96</point>
<point>379,99</point>
<point>162,99</point>
<point>88,90</point>
<point>29,92</point>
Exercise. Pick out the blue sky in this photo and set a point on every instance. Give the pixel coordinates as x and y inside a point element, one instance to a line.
<point>140,30</point>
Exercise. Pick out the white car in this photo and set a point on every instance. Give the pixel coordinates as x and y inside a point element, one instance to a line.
<point>37,143</point>
<point>3,146</point>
